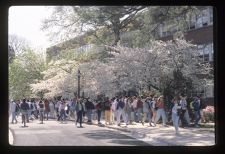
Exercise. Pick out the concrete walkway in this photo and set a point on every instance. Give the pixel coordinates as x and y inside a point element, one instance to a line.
<point>165,136</point>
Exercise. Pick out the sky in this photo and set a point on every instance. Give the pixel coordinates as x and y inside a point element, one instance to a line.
<point>25,21</point>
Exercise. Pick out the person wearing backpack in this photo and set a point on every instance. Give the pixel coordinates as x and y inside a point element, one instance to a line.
<point>196,105</point>
<point>120,111</point>
<point>183,116</point>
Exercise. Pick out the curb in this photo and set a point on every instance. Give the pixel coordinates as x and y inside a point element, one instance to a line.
<point>10,137</point>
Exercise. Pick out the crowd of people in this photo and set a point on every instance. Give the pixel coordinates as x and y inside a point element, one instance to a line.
<point>129,110</point>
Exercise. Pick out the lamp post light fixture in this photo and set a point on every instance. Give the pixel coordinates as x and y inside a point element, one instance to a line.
<point>78,75</point>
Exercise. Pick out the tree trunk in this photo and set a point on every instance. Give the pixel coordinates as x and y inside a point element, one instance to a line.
<point>116,35</point>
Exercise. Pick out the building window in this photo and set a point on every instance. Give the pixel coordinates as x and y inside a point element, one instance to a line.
<point>205,17</point>
<point>206,52</point>
<point>210,15</point>
<point>192,21</point>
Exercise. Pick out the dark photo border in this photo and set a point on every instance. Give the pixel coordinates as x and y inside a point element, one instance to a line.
<point>219,17</point>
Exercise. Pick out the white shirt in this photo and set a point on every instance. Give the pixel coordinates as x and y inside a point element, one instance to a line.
<point>12,107</point>
<point>175,107</point>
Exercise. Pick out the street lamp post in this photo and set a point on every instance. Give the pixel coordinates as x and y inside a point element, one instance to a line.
<point>78,75</point>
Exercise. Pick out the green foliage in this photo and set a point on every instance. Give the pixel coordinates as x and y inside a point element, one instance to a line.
<point>25,69</point>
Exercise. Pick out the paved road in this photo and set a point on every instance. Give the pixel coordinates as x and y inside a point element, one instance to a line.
<point>53,133</point>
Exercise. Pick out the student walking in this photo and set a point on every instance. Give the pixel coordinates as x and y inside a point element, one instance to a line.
<point>146,110</point>
<point>90,107</point>
<point>183,104</point>
<point>107,108</point>
<point>41,108</point>
<point>160,111</point>
<point>47,109</point>
<point>153,110</point>
<point>79,110</point>
<point>13,110</point>
<point>176,110</point>
<point>196,105</point>
<point>24,106</point>
<point>120,111</point>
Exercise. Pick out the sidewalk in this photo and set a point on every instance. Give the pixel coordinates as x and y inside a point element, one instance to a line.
<point>165,136</point>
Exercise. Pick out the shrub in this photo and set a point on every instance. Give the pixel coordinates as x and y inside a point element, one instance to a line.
<point>208,113</point>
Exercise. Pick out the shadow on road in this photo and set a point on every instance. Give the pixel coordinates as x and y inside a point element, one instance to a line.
<point>115,137</point>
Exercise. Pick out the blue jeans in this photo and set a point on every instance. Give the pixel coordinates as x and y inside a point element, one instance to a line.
<point>139,114</point>
<point>79,117</point>
<point>62,115</point>
<point>197,117</point>
<point>119,113</point>
<point>161,113</point>
<point>89,114</point>
<point>146,115</point>
<point>14,116</point>
<point>99,115</point>
<point>175,120</point>
<point>187,117</point>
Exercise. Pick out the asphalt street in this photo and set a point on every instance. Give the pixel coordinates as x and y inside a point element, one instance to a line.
<point>54,133</point>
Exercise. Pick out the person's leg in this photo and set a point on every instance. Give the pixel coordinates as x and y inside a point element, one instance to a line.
<point>112,117</point>
<point>106,116</point>
<point>158,115</point>
<point>47,114</point>
<point>187,117</point>
<point>144,118</point>
<point>81,114</point>
<point>174,120</point>
<point>164,118</point>
<point>118,116</point>
<point>149,116</point>
<point>177,124</point>
<point>99,116</point>
<point>139,114</point>
<point>182,118</point>
<point>202,116</point>
<point>12,117</point>
<point>198,117</point>
<point>88,115</point>
<point>124,116</point>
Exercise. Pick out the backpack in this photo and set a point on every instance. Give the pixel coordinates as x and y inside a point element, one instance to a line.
<point>196,105</point>
<point>121,104</point>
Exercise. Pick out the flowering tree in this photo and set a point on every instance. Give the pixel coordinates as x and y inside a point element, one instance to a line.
<point>156,65</point>
<point>160,66</point>
<point>58,79</point>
